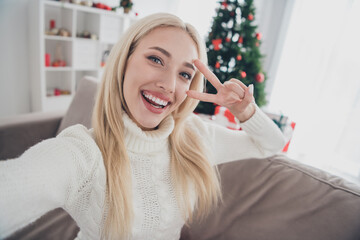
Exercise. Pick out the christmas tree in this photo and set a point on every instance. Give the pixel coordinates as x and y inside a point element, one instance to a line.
<point>233,49</point>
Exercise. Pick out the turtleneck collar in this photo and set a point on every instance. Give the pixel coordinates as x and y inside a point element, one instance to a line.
<point>137,140</point>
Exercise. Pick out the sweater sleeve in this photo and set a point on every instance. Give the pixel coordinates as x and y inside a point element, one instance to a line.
<point>41,179</point>
<point>259,138</point>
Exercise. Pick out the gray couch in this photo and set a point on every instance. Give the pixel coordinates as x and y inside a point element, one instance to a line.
<point>275,198</point>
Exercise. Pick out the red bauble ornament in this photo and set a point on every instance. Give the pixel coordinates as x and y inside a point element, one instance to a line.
<point>216,43</point>
<point>227,39</point>
<point>250,17</point>
<point>242,74</point>
<point>257,44</point>
<point>258,36</point>
<point>238,57</point>
<point>217,65</point>
<point>259,77</point>
<point>241,39</point>
<point>232,13</point>
<point>224,4</point>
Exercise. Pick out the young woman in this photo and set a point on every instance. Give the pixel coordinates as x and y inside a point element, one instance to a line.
<point>148,162</point>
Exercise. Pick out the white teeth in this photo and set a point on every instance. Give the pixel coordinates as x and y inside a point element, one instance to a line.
<point>155,99</point>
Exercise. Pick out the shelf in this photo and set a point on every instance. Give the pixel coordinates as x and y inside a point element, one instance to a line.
<point>58,38</point>
<point>60,50</point>
<point>60,97</point>
<point>55,103</point>
<point>86,39</point>
<point>58,4</point>
<point>62,17</point>
<point>82,56</point>
<point>87,69</point>
<point>83,8</point>
<point>55,69</point>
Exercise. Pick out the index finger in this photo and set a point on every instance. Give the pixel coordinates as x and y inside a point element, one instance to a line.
<point>208,74</point>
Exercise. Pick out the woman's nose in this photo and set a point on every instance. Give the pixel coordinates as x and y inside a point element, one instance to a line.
<point>167,83</point>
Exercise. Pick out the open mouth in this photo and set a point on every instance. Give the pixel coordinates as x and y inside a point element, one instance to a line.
<point>154,101</point>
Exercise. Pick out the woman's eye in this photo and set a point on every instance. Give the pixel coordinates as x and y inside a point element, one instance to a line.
<point>155,59</point>
<point>186,75</point>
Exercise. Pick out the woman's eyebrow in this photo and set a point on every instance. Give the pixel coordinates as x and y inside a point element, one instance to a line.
<point>166,53</point>
<point>189,65</point>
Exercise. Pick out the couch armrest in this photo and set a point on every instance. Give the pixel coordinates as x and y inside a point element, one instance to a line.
<point>20,132</point>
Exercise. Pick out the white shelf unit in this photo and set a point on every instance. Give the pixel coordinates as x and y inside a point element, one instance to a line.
<point>82,55</point>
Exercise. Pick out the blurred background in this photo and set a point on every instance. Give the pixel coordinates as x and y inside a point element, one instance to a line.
<point>310,60</point>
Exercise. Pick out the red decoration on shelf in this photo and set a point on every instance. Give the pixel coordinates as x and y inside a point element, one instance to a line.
<point>227,39</point>
<point>238,57</point>
<point>47,60</point>
<point>259,77</point>
<point>57,92</point>
<point>258,36</point>
<point>102,6</point>
<point>217,65</point>
<point>241,39</point>
<point>216,43</point>
<point>59,63</point>
<point>242,74</point>
<point>52,24</point>
<point>250,17</point>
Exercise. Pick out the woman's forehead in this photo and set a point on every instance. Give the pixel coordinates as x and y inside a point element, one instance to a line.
<point>171,39</point>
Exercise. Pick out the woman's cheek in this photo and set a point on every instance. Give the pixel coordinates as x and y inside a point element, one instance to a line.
<point>184,90</point>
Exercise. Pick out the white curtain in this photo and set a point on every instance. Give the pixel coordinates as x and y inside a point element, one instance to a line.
<point>317,84</point>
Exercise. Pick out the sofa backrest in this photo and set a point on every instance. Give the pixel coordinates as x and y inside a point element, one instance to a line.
<point>281,199</point>
<point>81,107</point>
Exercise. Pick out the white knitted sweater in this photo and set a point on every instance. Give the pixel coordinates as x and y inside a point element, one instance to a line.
<point>68,172</point>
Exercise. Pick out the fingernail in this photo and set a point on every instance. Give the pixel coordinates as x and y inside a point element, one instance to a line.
<point>251,88</point>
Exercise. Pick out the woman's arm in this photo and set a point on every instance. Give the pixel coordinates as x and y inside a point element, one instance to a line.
<point>45,177</point>
<point>259,138</point>
<point>32,185</point>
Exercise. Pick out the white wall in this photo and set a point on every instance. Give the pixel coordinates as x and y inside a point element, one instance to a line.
<point>15,92</point>
<point>14,82</point>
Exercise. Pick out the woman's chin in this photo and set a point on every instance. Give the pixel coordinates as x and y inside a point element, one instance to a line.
<point>148,126</point>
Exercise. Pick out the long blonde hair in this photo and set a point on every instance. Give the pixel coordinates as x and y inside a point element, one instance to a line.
<point>190,168</point>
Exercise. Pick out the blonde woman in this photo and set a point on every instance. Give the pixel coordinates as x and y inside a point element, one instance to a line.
<point>148,163</point>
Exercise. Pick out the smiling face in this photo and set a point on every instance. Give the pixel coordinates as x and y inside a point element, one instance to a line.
<point>158,74</point>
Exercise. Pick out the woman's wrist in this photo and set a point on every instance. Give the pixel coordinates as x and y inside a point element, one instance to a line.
<point>247,113</point>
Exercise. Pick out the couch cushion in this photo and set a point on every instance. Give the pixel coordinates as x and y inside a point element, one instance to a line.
<point>278,198</point>
<point>81,107</point>
<point>55,225</point>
